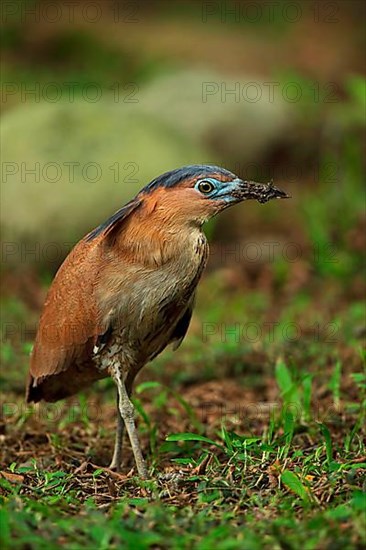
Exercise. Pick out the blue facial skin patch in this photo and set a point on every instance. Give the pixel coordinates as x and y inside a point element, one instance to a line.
<point>222,189</point>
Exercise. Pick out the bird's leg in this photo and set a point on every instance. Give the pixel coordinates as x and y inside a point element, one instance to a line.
<point>117,452</point>
<point>126,412</point>
<point>120,429</point>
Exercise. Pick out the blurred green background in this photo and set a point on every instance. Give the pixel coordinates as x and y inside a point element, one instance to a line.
<point>97,99</point>
<point>100,98</point>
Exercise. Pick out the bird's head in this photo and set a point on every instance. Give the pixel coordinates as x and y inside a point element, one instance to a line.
<point>198,192</point>
<point>186,196</point>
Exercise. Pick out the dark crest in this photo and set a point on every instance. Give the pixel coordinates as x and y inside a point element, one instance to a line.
<point>169,179</point>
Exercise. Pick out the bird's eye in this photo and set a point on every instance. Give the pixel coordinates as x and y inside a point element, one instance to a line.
<point>205,187</point>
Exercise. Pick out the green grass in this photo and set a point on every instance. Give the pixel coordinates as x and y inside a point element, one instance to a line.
<point>284,472</point>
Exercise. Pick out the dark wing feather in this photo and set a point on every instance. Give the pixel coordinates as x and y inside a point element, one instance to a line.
<point>182,325</point>
<point>110,227</point>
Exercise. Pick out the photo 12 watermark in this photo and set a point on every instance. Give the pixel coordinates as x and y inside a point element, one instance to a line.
<point>242,413</point>
<point>270,12</point>
<point>249,252</point>
<point>291,172</point>
<point>69,172</point>
<point>70,11</point>
<point>270,91</point>
<point>268,332</point>
<point>69,92</point>
<point>239,332</point>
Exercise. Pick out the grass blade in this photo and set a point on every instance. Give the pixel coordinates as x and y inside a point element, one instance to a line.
<point>188,436</point>
<point>328,441</point>
<point>293,483</point>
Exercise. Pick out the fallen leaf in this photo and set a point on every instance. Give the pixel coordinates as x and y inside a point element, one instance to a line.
<point>13,478</point>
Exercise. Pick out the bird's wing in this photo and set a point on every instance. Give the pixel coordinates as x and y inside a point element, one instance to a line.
<point>71,322</point>
<point>182,325</point>
<point>69,325</point>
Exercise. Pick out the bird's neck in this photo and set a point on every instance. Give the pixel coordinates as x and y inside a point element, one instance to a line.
<point>154,238</point>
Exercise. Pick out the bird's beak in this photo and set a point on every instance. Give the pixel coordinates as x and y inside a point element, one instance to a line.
<point>262,192</point>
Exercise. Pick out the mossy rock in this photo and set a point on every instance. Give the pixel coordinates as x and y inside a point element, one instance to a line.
<point>239,127</point>
<point>89,159</point>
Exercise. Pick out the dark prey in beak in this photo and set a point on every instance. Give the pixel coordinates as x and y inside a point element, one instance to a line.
<point>262,192</point>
